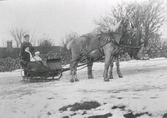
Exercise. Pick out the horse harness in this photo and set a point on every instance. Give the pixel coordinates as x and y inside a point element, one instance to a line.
<point>120,45</point>
<point>107,40</point>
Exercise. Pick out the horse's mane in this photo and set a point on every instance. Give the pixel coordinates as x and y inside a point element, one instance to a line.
<point>113,28</point>
<point>68,46</point>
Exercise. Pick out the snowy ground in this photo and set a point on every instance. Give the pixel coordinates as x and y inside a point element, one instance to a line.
<point>143,89</point>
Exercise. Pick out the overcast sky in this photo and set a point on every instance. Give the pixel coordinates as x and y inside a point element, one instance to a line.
<point>51,18</point>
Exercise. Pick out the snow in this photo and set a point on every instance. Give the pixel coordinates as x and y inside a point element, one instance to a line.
<point>142,89</point>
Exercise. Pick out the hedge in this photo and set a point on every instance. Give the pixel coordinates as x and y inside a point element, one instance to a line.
<point>10,64</point>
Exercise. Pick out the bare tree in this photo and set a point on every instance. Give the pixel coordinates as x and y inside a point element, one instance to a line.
<point>153,18</point>
<point>17,34</point>
<point>148,17</point>
<point>45,43</point>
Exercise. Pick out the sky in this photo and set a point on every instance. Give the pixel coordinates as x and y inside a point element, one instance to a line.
<point>51,18</point>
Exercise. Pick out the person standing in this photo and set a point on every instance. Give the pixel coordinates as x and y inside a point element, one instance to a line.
<point>25,44</point>
<point>26,52</point>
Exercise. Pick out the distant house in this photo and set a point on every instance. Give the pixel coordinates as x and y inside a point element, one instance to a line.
<point>9,51</point>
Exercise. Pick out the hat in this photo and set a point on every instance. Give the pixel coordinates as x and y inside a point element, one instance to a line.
<point>36,53</point>
<point>25,36</point>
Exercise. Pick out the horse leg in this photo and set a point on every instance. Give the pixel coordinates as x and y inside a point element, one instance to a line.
<point>73,69</point>
<point>111,69</point>
<point>106,67</point>
<point>89,71</point>
<point>75,73</point>
<point>118,67</point>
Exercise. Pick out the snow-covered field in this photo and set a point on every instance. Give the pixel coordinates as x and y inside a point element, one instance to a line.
<point>143,89</point>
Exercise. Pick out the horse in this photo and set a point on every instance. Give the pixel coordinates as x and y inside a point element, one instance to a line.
<point>95,47</point>
<point>131,44</point>
<point>136,43</point>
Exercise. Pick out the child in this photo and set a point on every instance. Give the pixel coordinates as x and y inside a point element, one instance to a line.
<point>37,57</point>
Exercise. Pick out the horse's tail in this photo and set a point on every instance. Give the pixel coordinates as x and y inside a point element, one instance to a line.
<point>69,45</point>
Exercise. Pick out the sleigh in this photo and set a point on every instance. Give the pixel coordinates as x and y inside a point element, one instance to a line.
<point>40,71</point>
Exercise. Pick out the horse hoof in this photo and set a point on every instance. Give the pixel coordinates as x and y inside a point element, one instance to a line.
<point>111,78</point>
<point>71,80</point>
<point>121,76</point>
<point>90,77</point>
<point>76,80</point>
<point>106,80</point>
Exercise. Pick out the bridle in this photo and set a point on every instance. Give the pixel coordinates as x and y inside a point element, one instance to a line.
<point>125,32</point>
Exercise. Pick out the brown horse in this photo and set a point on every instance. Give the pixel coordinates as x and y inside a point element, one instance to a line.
<point>95,47</point>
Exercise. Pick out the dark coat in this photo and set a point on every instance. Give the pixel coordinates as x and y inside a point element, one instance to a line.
<point>24,45</point>
<point>26,57</point>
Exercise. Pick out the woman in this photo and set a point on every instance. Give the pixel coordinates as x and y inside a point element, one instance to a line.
<point>25,44</point>
<point>26,57</point>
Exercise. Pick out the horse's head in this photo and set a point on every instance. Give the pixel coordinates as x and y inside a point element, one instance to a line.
<point>126,26</point>
<point>136,37</point>
<point>120,31</point>
<point>122,28</point>
<point>135,43</point>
